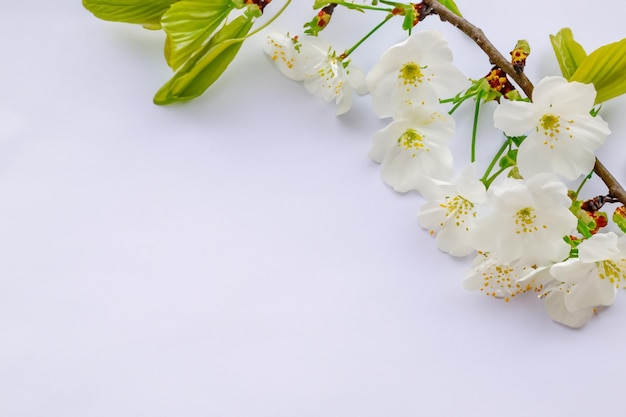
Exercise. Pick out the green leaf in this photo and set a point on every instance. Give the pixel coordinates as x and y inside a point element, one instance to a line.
<point>143,12</point>
<point>509,160</point>
<point>450,5</point>
<point>605,68</point>
<point>409,18</point>
<point>585,221</point>
<point>619,217</point>
<point>205,67</point>
<point>517,140</point>
<point>569,53</point>
<point>188,24</point>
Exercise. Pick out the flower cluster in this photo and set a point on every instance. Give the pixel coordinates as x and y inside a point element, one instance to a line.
<point>518,227</point>
<point>522,223</point>
<point>526,230</point>
<point>521,227</point>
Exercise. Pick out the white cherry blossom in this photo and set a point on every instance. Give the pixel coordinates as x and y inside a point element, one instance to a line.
<point>286,53</point>
<point>312,60</point>
<point>562,136</point>
<point>589,281</point>
<point>505,280</point>
<point>334,79</point>
<point>414,149</point>
<point>416,72</point>
<point>528,221</point>
<point>450,211</point>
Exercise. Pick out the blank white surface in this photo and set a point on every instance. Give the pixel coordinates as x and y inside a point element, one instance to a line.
<point>239,255</point>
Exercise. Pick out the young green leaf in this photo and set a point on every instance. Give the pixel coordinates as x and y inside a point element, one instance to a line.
<point>509,160</point>
<point>586,223</point>
<point>409,18</point>
<point>569,53</point>
<point>188,24</point>
<point>605,68</point>
<point>450,5</point>
<point>206,66</point>
<point>143,12</point>
<point>619,217</point>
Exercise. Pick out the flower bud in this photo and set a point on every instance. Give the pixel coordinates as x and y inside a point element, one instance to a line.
<point>519,55</point>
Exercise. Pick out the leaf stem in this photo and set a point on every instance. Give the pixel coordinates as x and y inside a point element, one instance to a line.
<point>270,20</point>
<point>354,6</point>
<point>488,181</point>
<point>364,38</point>
<point>475,125</point>
<point>485,179</point>
<point>582,183</point>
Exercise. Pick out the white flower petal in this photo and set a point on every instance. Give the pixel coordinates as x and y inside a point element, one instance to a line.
<point>555,91</point>
<point>447,80</point>
<point>571,271</point>
<point>590,293</point>
<point>381,95</point>
<point>555,306</point>
<point>406,101</point>
<point>469,187</point>
<point>514,117</point>
<point>454,240</point>
<point>431,216</point>
<point>281,50</point>
<point>399,171</point>
<point>356,79</point>
<point>344,101</point>
<point>598,247</point>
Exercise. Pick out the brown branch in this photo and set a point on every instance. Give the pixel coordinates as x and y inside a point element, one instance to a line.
<point>615,188</point>
<point>496,58</point>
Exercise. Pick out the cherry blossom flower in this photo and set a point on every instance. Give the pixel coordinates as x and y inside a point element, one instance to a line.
<point>505,280</point>
<point>450,211</point>
<point>334,79</point>
<point>416,72</point>
<point>562,136</point>
<point>528,221</point>
<point>286,53</point>
<point>413,149</point>
<point>312,60</point>
<point>589,281</point>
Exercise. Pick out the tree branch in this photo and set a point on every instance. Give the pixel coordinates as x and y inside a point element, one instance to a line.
<point>615,188</point>
<point>496,58</point>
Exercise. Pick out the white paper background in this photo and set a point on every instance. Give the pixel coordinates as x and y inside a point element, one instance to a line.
<point>239,255</point>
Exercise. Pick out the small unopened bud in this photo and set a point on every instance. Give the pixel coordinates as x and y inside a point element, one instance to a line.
<point>320,21</point>
<point>519,55</point>
<point>259,3</point>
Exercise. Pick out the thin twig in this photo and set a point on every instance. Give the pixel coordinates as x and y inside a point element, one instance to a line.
<point>615,188</point>
<point>496,58</point>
